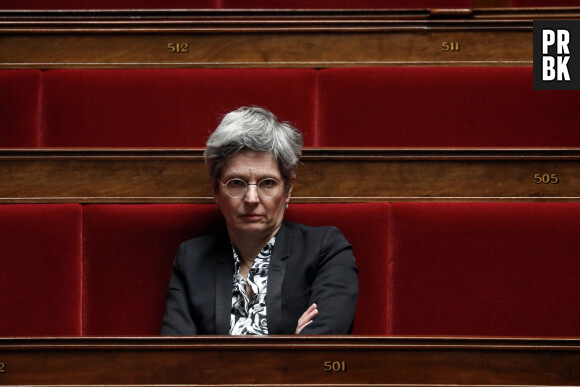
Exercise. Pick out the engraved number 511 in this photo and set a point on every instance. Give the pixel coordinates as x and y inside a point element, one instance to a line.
<point>450,46</point>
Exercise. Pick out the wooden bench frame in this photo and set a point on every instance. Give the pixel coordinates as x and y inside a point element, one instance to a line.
<point>290,361</point>
<point>326,175</point>
<point>229,38</point>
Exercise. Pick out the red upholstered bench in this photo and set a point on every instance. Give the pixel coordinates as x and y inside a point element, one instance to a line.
<point>491,269</point>
<point>484,269</point>
<point>366,227</point>
<point>19,108</point>
<point>96,270</point>
<point>109,4</point>
<point>443,107</point>
<point>345,107</point>
<point>208,4</point>
<point>541,3</point>
<point>129,249</point>
<point>128,258</point>
<point>165,107</point>
<point>345,4</point>
<point>40,270</point>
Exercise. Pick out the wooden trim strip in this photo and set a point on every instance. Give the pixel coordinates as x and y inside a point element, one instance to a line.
<point>325,175</point>
<point>291,361</point>
<point>312,39</point>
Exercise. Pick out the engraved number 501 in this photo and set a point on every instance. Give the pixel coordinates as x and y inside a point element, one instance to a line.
<point>335,366</point>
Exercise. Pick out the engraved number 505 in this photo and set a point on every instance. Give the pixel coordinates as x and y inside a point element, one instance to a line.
<point>545,178</point>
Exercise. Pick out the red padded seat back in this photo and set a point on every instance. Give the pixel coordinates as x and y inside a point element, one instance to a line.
<point>128,256</point>
<point>19,106</point>
<point>491,269</point>
<point>108,4</point>
<point>365,226</point>
<point>344,4</point>
<point>166,107</point>
<point>41,271</point>
<point>129,250</point>
<point>542,3</point>
<point>443,107</point>
<point>209,4</point>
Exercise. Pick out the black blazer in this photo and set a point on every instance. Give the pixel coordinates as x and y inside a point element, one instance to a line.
<point>308,265</point>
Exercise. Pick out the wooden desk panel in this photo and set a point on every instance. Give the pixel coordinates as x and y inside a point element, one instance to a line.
<point>326,175</point>
<point>285,49</point>
<point>361,361</point>
<point>228,38</point>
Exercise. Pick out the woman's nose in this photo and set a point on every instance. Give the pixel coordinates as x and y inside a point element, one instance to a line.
<point>252,194</point>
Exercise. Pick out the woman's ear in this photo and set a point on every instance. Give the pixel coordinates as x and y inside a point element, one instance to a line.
<point>215,191</point>
<point>290,185</point>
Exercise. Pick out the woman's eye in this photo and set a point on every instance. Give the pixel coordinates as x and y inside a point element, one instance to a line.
<point>268,183</point>
<point>236,183</point>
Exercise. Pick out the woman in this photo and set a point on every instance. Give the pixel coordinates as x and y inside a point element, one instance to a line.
<point>260,276</point>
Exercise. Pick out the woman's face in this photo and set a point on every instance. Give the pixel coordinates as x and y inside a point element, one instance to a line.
<point>252,215</point>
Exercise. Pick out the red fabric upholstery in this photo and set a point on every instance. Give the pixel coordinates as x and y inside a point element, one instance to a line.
<point>19,103</point>
<point>208,4</point>
<point>40,274</point>
<point>128,255</point>
<point>443,107</point>
<point>485,269</point>
<point>365,226</point>
<point>126,263</point>
<point>108,4</point>
<point>544,3</point>
<point>166,108</point>
<point>350,107</point>
<point>346,4</point>
<point>128,251</point>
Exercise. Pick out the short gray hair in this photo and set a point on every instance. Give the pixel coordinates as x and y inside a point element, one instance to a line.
<point>256,129</point>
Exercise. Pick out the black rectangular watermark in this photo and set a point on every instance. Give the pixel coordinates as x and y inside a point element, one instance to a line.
<point>556,54</point>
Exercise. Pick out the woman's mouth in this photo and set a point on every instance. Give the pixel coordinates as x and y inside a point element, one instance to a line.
<point>251,217</point>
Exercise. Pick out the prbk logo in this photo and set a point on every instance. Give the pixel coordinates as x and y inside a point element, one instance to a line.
<point>556,65</point>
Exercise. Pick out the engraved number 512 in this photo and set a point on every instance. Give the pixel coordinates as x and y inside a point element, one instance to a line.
<point>178,48</point>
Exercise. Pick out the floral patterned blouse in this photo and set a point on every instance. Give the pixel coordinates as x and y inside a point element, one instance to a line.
<point>249,316</point>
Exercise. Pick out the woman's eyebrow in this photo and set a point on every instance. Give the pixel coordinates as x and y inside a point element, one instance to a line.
<point>235,176</point>
<point>246,179</point>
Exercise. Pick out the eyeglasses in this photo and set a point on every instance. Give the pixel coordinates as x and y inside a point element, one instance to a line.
<point>237,188</point>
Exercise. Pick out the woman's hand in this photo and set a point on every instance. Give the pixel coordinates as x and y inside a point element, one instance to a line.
<point>306,318</point>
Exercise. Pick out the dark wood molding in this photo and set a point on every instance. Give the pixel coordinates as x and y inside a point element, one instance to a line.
<point>313,39</point>
<point>290,361</point>
<point>325,175</point>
